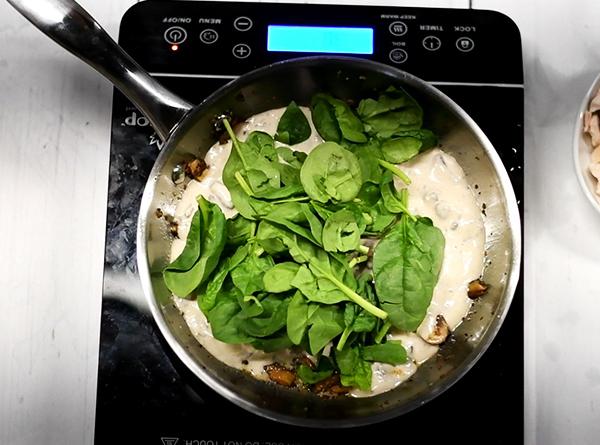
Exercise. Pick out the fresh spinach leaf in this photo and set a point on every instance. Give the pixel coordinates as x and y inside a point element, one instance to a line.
<point>382,218</point>
<point>317,290</point>
<point>241,195</point>
<point>407,144</point>
<point>261,144</point>
<point>331,172</point>
<point>391,352</point>
<point>354,370</point>
<point>406,266</point>
<point>316,228</point>
<point>321,211</point>
<point>291,226</point>
<point>328,272</point>
<point>326,323</point>
<point>390,196</point>
<point>279,278</point>
<point>251,171</point>
<point>311,376</point>
<point>356,319</point>
<point>239,230</point>
<point>269,237</point>
<point>259,159</point>
<point>391,99</point>
<point>250,306</point>
<point>291,157</point>
<point>394,111</point>
<point>369,194</point>
<point>272,318</point>
<point>208,299</point>
<point>297,318</point>
<point>293,126</point>
<point>225,319</point>
<point>189,256</point>
<point>368,156</point>
<point>273,343</point>
<point>350,125</point>
<point>290,176</point>
<point>324,119</point>
<point>248,275</point>
<point>341,232</point>
<point>400,149</point>
<point>209,237</point>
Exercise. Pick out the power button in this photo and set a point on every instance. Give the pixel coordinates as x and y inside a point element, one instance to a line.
<point>175,35</point>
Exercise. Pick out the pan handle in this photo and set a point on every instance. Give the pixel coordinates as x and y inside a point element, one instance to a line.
<point>68,24</point>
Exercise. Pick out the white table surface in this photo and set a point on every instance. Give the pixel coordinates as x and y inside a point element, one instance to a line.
<point>54,151</point>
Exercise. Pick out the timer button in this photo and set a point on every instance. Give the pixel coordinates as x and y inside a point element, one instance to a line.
<point>465,44</point>
<point>398,55</point>
<point>209,36</point>
<point>242,23</point>
<point>398,28</point>
<point>175,35</point>
<point>241,50</point>
<point>432,43</point>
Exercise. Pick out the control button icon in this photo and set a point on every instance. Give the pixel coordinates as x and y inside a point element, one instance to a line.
<point>398,28</point>
<point>242,23</point>
<point>209,36</point>
<point>398,55</point>
<point>241,50</point>
<point>465,44</point>
<point>175,35</point>
<point>432,43</point>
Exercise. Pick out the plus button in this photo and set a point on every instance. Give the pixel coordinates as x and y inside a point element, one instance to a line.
<point>241,50</point>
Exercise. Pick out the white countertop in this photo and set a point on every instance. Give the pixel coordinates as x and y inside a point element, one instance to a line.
<point>54,150</point>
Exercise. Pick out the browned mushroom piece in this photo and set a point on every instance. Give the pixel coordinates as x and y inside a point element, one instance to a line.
<point>280,374</point>
<point>477,288</point>
<point>195,168</point>
<point>440,331</point>
<point>330,387</point>
<point>325,384</point>
<point>339,390</point>
<point>304,359</point>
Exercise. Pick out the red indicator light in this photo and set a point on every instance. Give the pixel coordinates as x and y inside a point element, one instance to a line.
<point>174,47</point>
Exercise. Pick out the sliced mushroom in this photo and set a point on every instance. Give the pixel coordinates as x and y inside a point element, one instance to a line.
<point>330,386</point>
<point>440,331</point>
<point>280,374</point>
<point>339,390</point>
<point>477,288</point>
<point>195,168</point>
<point>305,360</point>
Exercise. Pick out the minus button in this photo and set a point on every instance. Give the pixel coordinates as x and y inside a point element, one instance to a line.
<point>242,23</point>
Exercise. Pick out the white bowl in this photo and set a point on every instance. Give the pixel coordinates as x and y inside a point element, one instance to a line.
<point>582,149</point>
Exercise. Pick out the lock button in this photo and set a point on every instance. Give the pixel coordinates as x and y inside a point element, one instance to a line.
<point>465,44</point>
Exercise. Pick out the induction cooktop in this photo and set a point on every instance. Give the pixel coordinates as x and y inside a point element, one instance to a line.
<point>145,394</point>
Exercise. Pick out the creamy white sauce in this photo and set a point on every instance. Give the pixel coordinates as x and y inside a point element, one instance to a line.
<point>438,190</point>
<point>387,377</point>
<point>243,357</point>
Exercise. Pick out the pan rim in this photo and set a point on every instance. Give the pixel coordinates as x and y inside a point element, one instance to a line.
<point>513,223</point>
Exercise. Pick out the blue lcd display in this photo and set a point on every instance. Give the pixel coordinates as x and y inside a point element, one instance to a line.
<point>320,39</point>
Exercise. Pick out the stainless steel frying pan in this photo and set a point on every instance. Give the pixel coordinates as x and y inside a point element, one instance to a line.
<point>188,131</point>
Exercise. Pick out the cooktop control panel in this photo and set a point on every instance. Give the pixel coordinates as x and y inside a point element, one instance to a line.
<point>228,39</point>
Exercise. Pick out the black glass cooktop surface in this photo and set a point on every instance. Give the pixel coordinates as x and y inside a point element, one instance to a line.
<point>145,394</point>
